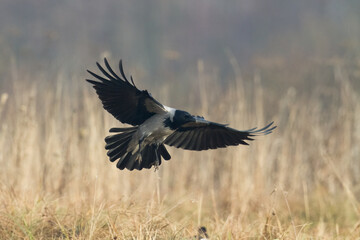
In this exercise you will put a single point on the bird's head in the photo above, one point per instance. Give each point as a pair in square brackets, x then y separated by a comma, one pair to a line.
[182, 117]
[179, 118]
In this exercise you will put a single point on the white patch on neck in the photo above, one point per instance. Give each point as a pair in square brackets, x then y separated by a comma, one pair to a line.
[171, 111]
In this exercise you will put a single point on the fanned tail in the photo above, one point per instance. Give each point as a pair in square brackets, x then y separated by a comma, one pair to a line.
[146, 157]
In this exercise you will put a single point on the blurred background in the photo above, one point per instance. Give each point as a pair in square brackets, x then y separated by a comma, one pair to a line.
[245, 63]
[170, 37]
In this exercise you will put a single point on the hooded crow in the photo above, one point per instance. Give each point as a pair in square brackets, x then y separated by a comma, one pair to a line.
[154, 124]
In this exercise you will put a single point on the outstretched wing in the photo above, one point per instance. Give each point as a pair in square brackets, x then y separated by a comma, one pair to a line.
[121, 98]
[203, 135]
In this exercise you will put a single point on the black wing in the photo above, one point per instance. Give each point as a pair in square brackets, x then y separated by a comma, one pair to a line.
[203, 135]
[122, 99]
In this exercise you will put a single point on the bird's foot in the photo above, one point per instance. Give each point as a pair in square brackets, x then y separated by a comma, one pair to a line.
[156, 166]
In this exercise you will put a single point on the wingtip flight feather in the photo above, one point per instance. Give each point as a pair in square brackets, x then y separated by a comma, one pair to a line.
[122, 71]
[263, 131]
[110, 76]
[111, 70]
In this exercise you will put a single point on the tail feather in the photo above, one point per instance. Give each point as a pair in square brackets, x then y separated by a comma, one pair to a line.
[117, 152]
[133, 162]
[147, 157]
[137, 165]
[118, 144]
[163, 152]
[122, 129]
[121, 164]
[114, 140]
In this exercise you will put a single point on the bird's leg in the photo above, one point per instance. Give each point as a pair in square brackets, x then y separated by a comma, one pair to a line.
[138, 152]
[156, 163]
[140, 141]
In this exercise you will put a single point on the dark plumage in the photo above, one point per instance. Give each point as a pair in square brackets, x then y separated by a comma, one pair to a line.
[154, 124]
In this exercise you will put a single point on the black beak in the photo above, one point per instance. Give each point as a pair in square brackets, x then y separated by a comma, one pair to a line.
[199, 119]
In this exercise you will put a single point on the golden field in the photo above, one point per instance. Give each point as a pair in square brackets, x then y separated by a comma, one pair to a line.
[300, 182]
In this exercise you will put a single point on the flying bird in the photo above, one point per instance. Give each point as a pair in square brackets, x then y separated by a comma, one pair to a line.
[155, 125]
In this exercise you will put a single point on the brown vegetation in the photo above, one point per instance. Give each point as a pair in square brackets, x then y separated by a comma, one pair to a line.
[300, 181]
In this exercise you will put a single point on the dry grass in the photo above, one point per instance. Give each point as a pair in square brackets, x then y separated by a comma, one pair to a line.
[301, 182]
